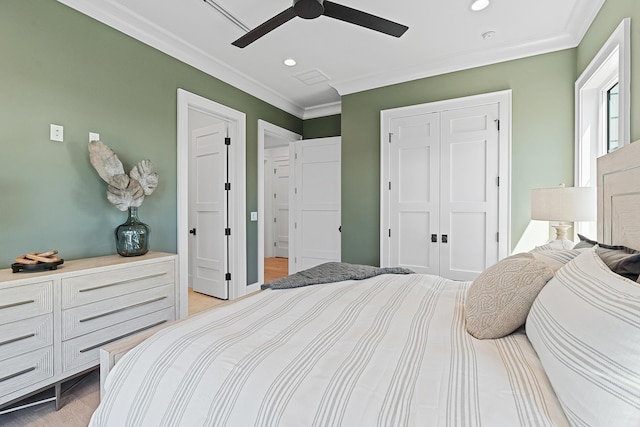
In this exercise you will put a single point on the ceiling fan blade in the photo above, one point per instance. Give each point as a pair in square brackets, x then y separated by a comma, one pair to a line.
[265, 27]
[364, 19]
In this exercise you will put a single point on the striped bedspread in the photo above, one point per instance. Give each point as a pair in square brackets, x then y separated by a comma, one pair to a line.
[386, 351]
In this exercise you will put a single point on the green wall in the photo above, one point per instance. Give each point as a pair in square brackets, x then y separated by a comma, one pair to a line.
[322, 127]
[608, 19]
[60, 66]
[542, 138]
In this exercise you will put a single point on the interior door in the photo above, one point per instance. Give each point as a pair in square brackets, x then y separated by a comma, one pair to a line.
[316, 203]
[209, 210]
[414, 190]
[469, 191]
[281, 205]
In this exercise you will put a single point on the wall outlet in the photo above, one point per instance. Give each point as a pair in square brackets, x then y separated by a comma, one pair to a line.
[93, 136]
[56, 133]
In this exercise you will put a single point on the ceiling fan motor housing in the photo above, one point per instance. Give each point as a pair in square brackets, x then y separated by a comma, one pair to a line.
[308, 9]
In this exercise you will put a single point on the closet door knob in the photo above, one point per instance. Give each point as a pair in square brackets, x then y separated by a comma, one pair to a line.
[444, 238]
[192, 231]
[434, 238]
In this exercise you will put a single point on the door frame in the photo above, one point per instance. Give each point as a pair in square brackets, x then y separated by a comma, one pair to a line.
[265, 129]
[236, 122]
[503, 98]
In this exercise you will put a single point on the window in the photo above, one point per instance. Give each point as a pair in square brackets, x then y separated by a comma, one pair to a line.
[602, 110]
[613, 118]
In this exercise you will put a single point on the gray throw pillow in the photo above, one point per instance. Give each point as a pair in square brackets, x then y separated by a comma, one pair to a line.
[498, 301]
[621, 260]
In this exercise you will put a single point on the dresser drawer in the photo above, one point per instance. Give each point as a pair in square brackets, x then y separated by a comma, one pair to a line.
[84, 351]
[23, 302]
[91, 317]
[83, 289]
[25, 335]
[24, 370]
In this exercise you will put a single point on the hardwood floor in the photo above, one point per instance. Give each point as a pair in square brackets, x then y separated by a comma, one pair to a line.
[83, 393]
[275, 268]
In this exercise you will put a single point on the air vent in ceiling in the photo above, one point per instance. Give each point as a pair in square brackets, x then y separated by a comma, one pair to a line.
[312, 77]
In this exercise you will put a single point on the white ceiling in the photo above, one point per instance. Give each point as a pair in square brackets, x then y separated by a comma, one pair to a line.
[443, 36]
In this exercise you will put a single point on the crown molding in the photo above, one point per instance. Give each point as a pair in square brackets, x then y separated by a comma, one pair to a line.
[443, 65]
[323, 110]
[138, 27]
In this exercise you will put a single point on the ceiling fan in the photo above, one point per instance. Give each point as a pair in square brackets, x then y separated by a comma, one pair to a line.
[310, 9]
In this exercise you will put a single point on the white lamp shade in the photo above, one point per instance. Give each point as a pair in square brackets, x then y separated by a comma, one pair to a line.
[563, 204]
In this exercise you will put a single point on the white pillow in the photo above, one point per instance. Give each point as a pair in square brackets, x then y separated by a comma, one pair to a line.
[585, 327]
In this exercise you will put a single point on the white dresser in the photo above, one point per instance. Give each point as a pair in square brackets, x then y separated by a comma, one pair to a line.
[52, 324]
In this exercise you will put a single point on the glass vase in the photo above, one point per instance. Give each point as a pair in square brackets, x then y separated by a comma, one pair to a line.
[132, 237]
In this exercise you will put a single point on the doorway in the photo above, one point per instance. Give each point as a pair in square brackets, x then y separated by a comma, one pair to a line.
[190, 104]
[273, 147]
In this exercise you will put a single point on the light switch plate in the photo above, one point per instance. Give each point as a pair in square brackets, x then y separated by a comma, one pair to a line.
[93, 136]
[56, 133]
[254, 216]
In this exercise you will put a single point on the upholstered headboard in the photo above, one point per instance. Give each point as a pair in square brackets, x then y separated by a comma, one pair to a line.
[619, 197]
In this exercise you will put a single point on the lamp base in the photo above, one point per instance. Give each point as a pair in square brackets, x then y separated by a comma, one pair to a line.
[561, 230]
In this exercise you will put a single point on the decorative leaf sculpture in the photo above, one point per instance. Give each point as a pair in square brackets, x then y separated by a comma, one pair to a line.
[123, 199]
[105, 161]
[124, 191]
[143, 172]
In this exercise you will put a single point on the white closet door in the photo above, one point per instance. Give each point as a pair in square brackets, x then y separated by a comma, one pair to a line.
[469, 191]
[209, 201]
[281, 205]
[316, 203]
[414, 192]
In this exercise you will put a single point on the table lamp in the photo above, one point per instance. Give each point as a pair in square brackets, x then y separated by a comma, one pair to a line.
[563, 204]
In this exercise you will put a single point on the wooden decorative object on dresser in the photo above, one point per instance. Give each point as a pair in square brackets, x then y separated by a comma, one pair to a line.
[52, 324]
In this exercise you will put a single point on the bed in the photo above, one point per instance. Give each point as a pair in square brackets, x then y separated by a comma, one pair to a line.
[396, 349]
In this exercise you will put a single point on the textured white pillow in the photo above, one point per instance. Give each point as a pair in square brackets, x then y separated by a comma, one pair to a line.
[498, 301]
[556, 259]
[585, 327]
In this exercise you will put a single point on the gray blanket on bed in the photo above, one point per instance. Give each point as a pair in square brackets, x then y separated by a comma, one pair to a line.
[332, 272]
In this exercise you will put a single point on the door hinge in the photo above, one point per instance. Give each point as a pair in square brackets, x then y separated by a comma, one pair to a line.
[389, 185]
[497, 121]
[498, 181]
[275, 171]
[274, 244]
[295, 225]
[389, 232]
[274, 219]
[295, 156]
[498, 237]
[227, 141]
[390, 137]
[274, 195]
[227, 232]
[227, 276]
[295, 190]
[227, 186]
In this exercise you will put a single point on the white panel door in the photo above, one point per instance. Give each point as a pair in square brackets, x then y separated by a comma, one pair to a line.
[281, 205]
[316, 203]
[469, 191]
[209, 210]
[414, 192]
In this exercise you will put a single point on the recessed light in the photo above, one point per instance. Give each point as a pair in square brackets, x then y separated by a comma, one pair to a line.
[479, 5]
[289, 62]
[488, 35]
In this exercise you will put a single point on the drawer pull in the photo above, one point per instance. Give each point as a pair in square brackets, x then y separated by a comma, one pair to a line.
[17, 374]
[93, 347]
[108, 313]
[16, 304]
[24, 337]
[137, 279]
